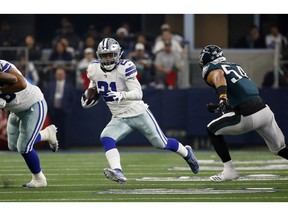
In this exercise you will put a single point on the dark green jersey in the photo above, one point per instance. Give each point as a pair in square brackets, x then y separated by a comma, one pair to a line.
[240, 88]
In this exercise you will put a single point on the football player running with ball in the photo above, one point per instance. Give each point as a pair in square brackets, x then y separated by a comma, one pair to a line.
[247, 111]
[116, 82]
[28, 110]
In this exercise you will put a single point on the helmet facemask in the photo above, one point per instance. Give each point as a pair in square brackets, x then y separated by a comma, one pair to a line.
[108, 60]
[109, 53]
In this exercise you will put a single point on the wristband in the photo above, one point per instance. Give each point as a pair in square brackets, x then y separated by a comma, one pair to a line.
[222, 91]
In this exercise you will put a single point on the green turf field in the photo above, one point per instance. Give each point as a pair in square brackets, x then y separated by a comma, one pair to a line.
[153, 176]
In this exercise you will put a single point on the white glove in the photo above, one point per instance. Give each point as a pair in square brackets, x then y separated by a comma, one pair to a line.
[117, 96]
[2, 103]
[85, 104]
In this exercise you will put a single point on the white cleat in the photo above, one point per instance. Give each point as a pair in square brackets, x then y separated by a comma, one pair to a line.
[36, 183]
[115, 175]
[224, 176]
[52, 138]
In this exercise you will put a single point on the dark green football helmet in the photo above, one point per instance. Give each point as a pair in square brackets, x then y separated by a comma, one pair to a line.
[209, 54]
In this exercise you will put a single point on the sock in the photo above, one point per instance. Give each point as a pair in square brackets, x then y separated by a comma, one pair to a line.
[228, 166]
[172, 145]
[38, 176]
[108, 143]
[220, 146]
[32, 161]
[283, 153]
[188, 155]
[175, 146]
[113, 158]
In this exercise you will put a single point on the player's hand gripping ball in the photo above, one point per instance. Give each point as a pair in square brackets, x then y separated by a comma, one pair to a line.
[92, 94]
[90, 97]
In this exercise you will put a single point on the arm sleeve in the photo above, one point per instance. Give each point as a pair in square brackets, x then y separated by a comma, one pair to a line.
[134, 89]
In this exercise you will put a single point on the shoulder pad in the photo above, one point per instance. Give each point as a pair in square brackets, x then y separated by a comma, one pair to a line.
[128, 67]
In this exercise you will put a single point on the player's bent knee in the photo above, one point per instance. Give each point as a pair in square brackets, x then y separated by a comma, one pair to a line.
[22, 151]
[12, 148]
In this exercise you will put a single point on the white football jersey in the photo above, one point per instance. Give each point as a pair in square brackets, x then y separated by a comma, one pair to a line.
[21, 100]
[122, 78]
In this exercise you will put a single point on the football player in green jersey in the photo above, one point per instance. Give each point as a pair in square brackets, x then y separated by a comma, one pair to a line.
[247, 111]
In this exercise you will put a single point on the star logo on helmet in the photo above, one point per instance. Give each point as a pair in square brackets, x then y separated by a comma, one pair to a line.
[114, 47]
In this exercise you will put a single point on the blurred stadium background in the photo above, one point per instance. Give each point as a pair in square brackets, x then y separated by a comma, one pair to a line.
[181, 112]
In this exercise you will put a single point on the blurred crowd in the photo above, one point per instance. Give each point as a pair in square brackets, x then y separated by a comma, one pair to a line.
[158, 59]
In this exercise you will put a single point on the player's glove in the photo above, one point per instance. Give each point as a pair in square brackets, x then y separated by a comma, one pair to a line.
[223, 104]
[117, 96]
[86, 103]
[213, 108]
[2, 103]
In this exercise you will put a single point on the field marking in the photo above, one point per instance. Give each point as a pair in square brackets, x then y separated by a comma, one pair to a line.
[214, 162]
[254, 177]
[248, 162]
[208, 168]
[188, 191]
[136, 199]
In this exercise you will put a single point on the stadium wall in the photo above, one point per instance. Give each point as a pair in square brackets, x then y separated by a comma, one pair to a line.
[180, 113]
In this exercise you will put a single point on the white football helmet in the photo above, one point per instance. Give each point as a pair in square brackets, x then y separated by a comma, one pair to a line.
[109, 53]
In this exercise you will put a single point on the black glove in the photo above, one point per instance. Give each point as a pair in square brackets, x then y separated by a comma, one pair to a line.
[212, 108]
[223, 104]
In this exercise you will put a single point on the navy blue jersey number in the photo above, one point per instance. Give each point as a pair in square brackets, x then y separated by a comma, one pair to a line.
[105, 88]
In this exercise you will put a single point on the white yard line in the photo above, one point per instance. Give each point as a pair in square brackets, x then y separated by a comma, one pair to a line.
[230, 198]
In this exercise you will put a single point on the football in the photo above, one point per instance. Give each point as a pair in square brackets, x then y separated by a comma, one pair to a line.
[91, 94]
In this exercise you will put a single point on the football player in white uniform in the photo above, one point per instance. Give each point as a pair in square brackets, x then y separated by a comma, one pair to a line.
[116, 82]
[28, 110]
